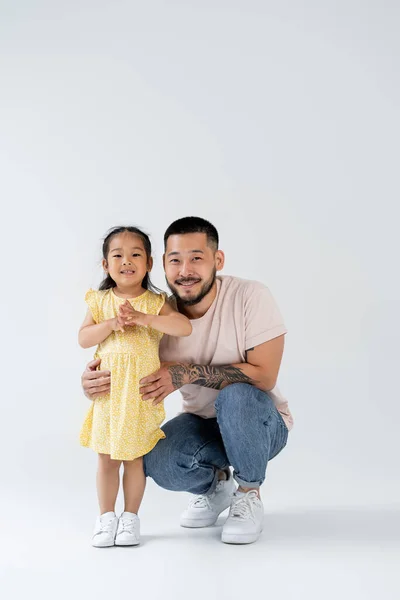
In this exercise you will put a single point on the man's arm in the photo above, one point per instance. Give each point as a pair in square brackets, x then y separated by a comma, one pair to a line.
[260, 369]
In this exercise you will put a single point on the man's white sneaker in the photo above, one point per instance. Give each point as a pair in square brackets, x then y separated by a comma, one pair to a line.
[105, 530]
[128, 533]
[204, 511]
[245, 521]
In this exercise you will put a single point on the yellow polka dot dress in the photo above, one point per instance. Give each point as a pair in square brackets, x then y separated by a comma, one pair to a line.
[120, 423]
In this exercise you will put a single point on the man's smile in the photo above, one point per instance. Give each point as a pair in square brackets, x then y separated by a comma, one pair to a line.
[187, 283]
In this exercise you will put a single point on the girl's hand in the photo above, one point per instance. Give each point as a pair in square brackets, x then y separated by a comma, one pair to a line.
[129, 316]
[117, 324]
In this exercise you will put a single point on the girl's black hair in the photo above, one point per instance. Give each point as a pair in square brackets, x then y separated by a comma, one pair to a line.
[108, 282]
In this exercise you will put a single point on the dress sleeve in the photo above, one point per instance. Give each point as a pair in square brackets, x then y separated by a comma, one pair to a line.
[161, 301]
[92, 300]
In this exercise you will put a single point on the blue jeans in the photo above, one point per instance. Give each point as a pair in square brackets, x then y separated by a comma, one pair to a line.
[247, 432]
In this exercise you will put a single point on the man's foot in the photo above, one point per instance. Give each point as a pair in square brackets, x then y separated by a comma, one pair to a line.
[105, 530]
[204, 511]
[245, 521]
[128, 533]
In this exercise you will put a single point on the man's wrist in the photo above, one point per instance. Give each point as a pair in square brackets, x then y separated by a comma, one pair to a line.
[180, 374]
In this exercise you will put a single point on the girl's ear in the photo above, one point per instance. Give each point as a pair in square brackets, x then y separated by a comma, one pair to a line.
[104, 265]
[150, 264]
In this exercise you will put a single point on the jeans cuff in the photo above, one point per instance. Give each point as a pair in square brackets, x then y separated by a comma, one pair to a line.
[247, 484]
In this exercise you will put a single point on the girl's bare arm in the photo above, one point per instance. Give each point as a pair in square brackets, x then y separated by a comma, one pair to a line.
[168, 321]
[92, 334]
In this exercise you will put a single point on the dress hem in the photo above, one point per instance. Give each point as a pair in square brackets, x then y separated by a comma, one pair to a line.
[132, 457]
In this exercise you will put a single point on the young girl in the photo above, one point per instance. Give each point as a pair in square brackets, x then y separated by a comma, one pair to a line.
[126, 319]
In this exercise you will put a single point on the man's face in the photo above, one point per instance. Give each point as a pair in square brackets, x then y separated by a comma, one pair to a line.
[190, 266]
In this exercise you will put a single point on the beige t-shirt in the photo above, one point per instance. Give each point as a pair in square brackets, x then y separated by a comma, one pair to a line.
[242, 316]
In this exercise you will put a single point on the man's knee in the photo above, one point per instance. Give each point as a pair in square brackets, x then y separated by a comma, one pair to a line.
[241, 400]
[236, 393]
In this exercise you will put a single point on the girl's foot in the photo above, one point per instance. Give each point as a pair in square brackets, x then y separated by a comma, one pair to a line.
[105, 530]
[128, 533]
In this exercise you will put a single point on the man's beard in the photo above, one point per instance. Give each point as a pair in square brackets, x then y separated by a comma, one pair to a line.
[205, 289]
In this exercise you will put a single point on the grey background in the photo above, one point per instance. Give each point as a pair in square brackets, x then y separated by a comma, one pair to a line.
[279, 122]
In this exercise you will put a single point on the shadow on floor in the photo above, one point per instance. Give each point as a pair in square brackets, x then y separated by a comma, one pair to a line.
[336, 524]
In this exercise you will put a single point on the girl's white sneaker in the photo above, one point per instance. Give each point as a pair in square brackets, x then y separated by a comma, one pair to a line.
[128, 533]
[105, 530]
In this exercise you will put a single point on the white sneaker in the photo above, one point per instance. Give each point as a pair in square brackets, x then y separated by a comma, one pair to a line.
[104, 531]
[128, 533]
[203, 511]
[245, 521]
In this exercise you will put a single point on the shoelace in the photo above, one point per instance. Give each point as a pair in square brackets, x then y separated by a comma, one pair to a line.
[204, 501]
[243, 508]
[200, 502]
[125, 525]
[105, 527]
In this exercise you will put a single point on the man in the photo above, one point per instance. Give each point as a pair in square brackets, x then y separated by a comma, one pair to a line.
[233, 414]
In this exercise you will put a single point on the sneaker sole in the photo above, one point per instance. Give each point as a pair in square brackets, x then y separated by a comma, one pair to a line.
[122, 544]
[234, 538]
[103, 545]
[198, 523]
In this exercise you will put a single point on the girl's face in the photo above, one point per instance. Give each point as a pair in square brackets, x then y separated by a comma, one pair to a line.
[127, 262]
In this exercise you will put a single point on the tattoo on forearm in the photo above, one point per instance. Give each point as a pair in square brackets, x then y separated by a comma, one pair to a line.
[206, 375]
[179, 373]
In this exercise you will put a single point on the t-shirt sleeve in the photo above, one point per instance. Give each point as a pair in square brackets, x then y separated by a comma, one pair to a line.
[263, 320]
[92, 300]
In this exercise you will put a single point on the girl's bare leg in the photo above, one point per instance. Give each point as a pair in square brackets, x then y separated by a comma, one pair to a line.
[107, 482]
[134, 483]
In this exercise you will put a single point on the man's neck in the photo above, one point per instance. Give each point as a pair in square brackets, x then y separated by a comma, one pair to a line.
[199, 310]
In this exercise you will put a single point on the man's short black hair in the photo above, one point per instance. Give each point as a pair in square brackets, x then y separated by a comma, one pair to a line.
[193, 225]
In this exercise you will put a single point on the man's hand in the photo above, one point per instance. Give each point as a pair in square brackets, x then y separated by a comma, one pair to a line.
[170, 377]
[95, 383]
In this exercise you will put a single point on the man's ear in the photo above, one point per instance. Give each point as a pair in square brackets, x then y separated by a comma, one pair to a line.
[163, 261]
[219, 260]
[104, 265]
